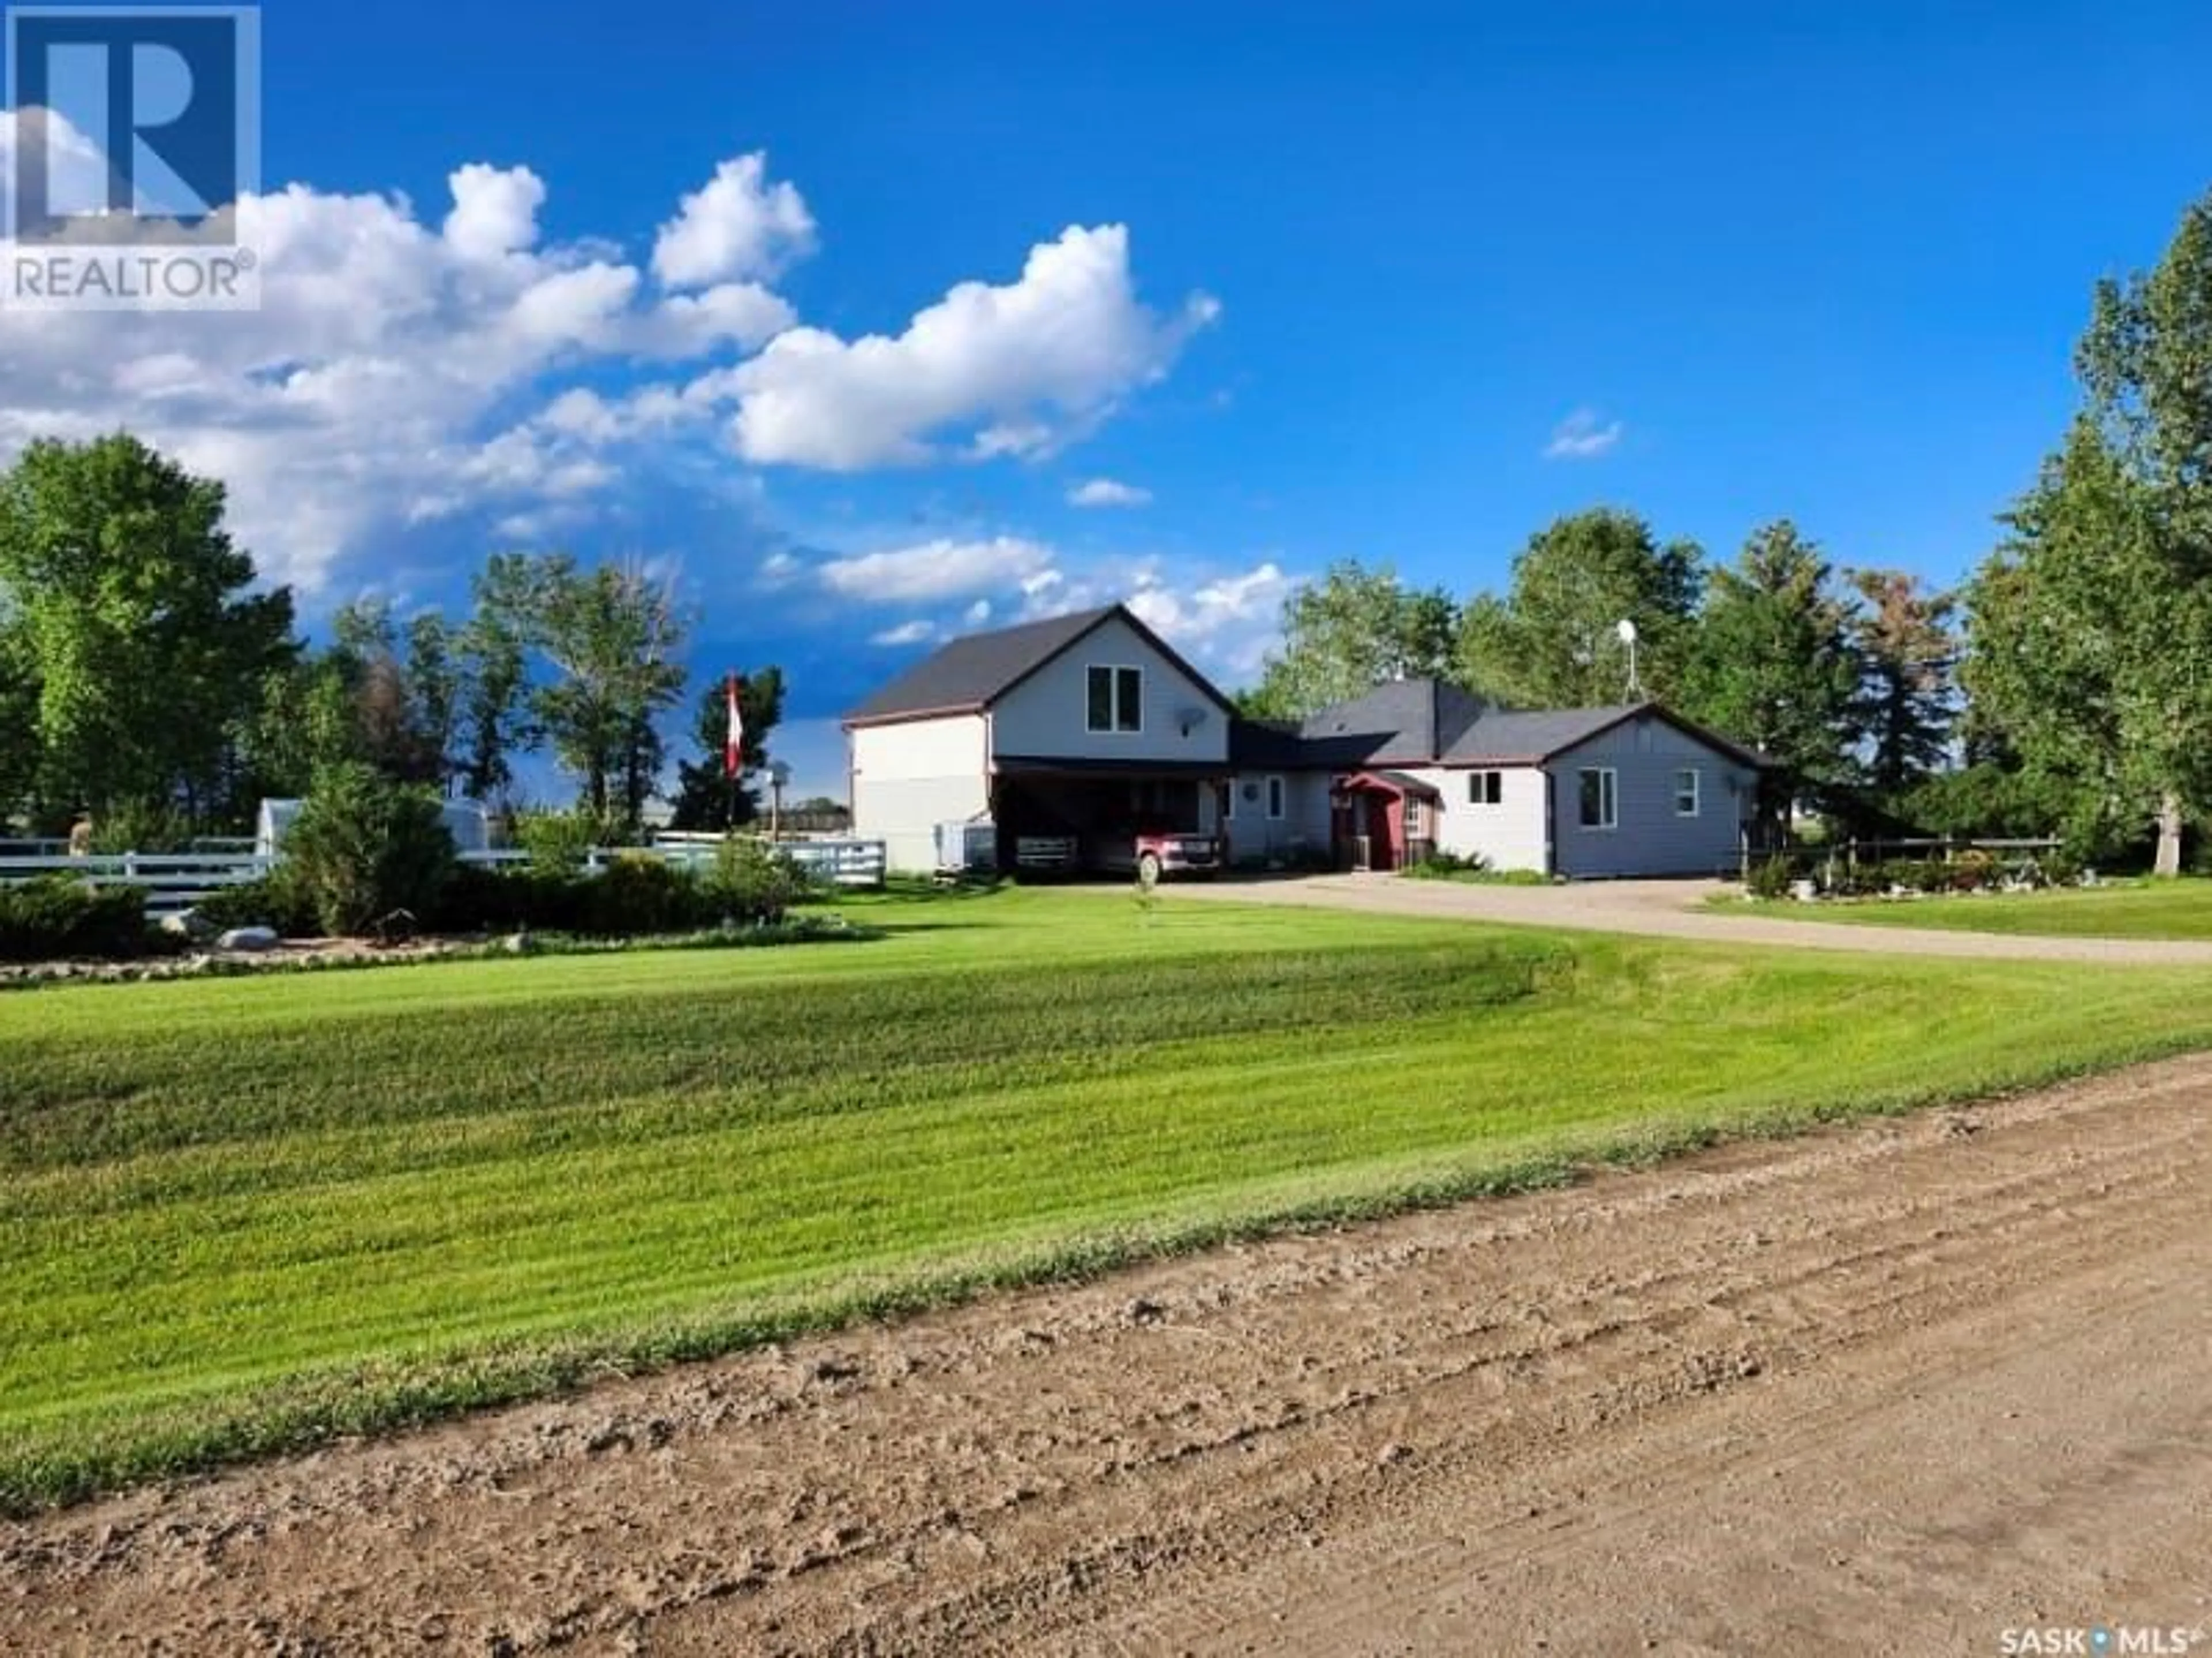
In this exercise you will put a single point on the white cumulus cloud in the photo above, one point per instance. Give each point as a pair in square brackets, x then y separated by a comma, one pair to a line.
[1583, 436]
[407, 367]
[907, 632]
[1106, 492]
[936, 570]
[495, 211]
[1016, 368]
[737, 225]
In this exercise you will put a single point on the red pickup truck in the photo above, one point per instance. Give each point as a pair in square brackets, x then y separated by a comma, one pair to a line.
[1153, 854]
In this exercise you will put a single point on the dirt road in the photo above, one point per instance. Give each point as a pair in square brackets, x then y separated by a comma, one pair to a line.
[1895, 1388]
[1673, 909]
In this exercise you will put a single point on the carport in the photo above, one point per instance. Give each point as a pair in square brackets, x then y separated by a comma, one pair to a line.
[1058, 813]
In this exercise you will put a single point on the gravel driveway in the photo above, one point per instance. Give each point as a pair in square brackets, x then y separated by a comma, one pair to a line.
[1670, 909]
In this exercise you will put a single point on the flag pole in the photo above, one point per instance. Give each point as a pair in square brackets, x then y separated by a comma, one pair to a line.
[734, 762]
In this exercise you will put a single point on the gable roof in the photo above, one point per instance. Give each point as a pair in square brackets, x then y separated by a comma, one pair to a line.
[968, 674]
[1412, 720]
[1429, 722]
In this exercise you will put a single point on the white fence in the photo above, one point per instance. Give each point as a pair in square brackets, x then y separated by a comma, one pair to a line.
[173, 880]
[177, 880]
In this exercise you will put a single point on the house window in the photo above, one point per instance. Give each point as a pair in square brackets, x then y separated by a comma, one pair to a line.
[1685, 792]
[1117, 699]
[1601, 797]
[1275, 797]
[1485, 788]
[1415, 827]
[1228, 803]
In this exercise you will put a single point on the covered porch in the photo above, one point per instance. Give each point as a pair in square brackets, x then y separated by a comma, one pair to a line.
[1383, 820]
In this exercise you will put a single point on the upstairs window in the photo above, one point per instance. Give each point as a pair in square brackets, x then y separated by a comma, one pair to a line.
[1117, 699]
[1485, 788]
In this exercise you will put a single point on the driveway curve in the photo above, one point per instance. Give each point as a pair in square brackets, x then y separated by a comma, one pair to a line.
[1674, 909]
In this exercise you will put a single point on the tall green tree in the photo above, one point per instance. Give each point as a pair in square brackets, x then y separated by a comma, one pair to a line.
[1351, 631]
[1771, 663]
[1553, 641]
[136, 617]
[2090, 653]
[611, 637]
[1907, 699]
[492, 720]
[2091, 626]
[705, 798]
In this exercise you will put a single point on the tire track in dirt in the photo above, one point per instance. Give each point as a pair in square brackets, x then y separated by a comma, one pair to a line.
[1951, 1370]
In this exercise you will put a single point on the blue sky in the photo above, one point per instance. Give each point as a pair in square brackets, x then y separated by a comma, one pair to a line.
[1297, 282]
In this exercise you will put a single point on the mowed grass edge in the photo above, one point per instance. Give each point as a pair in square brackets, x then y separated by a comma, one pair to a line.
[2138, 908]
[252, 1217]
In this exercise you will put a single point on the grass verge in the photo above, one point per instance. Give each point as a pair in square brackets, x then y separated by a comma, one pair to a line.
[249, 1216]
[2120, 909]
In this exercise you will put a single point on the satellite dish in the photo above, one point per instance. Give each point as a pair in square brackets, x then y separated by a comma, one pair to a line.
[1190, 720]
[1627, 631]
[778, 773]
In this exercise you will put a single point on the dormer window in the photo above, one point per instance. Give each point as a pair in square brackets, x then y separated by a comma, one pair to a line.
[1117, 699]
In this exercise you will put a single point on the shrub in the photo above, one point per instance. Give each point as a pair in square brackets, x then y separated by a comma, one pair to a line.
[2060, 868]
[362, 848]
[640, 892]
[1770, 878]
[56, 915]
[269, 901]
[752, 882]
[136, 826]
[1971, 871]
[1440, 866]
[558, 841]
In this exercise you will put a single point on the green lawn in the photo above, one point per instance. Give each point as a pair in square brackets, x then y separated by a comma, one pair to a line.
[2121, 909]
[252, 1213]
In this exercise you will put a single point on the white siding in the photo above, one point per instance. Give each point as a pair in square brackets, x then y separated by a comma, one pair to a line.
[1508, 836]
[1048, 712]
[1652, 838]
[909, 778]
[1303, 825]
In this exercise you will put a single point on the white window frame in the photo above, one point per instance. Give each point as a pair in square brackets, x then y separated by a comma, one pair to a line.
[1415, 829]
[1278, 800]
[1695, 794]
[1609, 798]
[1114, 728]
[1478, 787]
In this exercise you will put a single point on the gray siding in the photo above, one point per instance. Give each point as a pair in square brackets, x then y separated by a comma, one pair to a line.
[1303, 825]
[1048, 712]
[1652, 838]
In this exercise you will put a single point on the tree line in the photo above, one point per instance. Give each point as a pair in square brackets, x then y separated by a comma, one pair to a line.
[144, 679]
[2066, 687]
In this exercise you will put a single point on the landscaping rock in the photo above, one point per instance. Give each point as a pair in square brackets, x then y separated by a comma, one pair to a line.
[189, 924]
[519, 944]
[249, 938]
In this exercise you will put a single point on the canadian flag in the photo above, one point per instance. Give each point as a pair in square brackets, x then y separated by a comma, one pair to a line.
[733, 754]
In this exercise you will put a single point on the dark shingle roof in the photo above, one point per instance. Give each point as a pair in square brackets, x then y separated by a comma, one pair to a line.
[1420, 721]
[1408, 720]
[1536, 735]
[969, 672]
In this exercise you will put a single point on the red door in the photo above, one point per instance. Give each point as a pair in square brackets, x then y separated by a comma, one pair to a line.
[1383, 836]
